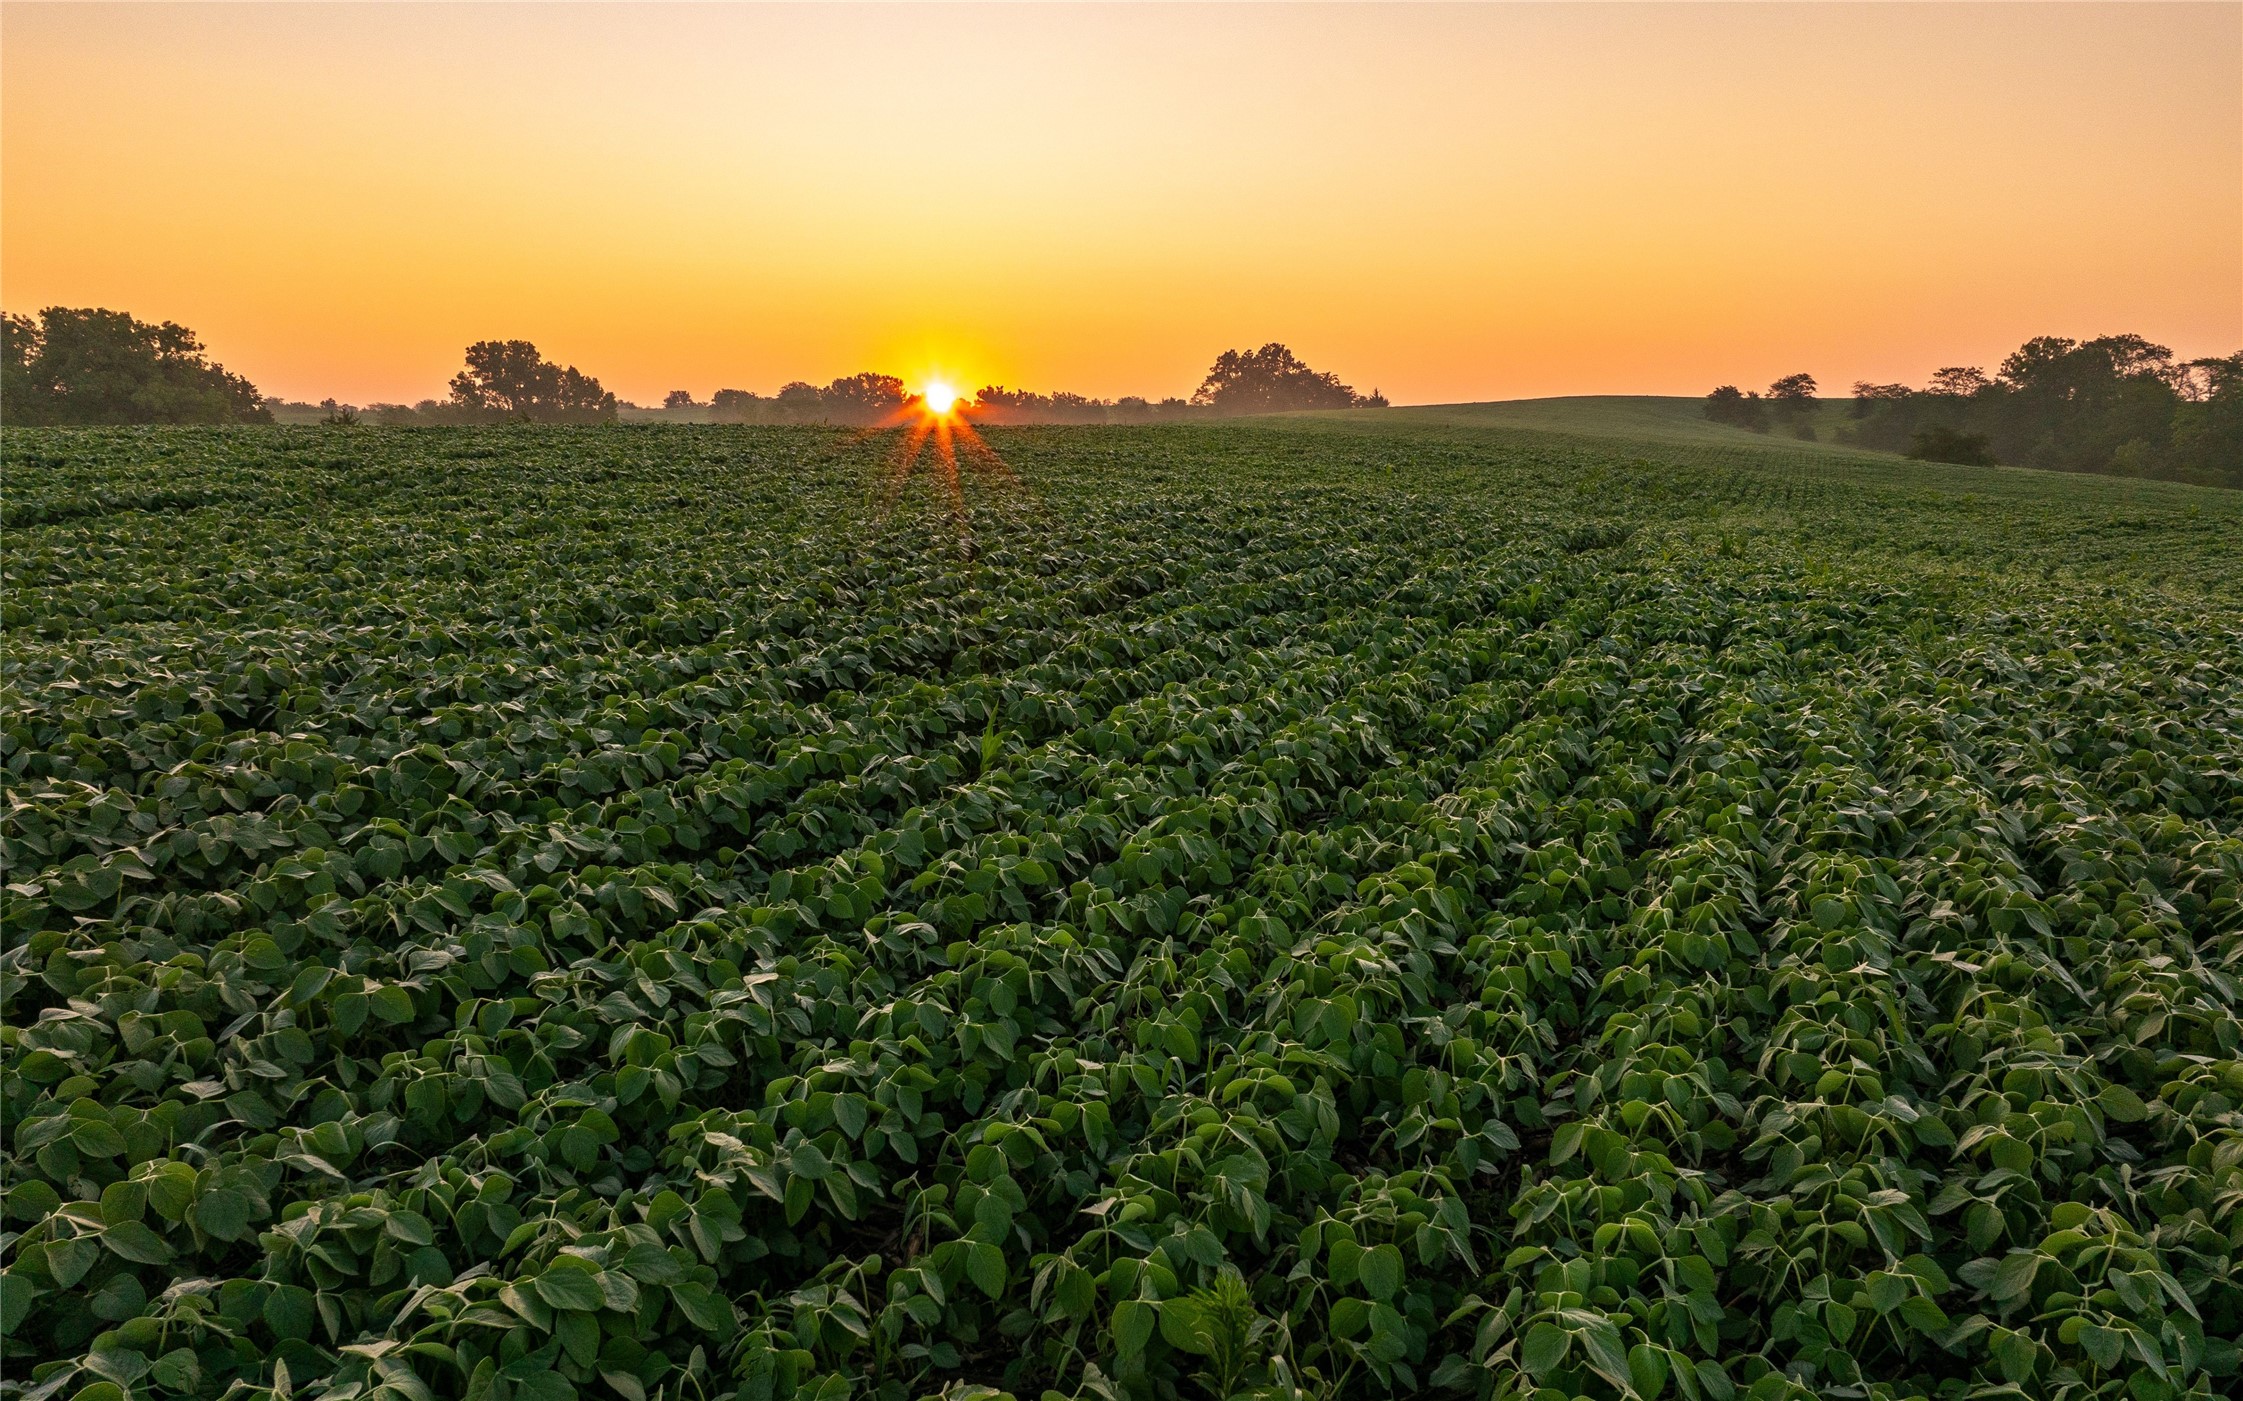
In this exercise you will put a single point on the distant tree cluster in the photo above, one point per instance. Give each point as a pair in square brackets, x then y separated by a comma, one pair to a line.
[1790, 403]
[1274, 380]
[861, 399]
[993, 403]
[1268, 380]
[90, 365]
[501, 382]
[2115, 404]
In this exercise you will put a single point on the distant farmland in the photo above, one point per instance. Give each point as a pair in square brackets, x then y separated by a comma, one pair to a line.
[1554, 900]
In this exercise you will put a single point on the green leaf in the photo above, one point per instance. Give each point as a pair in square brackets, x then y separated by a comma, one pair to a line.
[2017, 1355]
[2105, 1345]
[624, 1384]
[1713, 1380]
[393, 1004]
[1924, 1315]
[97, 1139]
[1608, 1355]
[1184, 1326]
[566, 1288]
[707, 1310]
[1840, 1320]
[136, 1243]
[1886, 1291]
[177, 1370]
[1350, 1316]
[288, 1311]
[808, 1160]
[16, 1294]
[222, 1213]
[1647, 1370]
[985, 1266]
[1076, 1292]
[1544, 1349]
[1381, 1271]
[68, 1260]
[2120, 1103]
[2013, 1278]
[1133, 1327]
[2010, 1153]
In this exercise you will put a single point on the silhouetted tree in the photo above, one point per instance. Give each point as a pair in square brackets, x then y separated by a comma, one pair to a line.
[1959, 381]
[1867, 396]
[735, 405]
[862, 398]
[1270, 380]
[1731, 405]
[510, 379]
[678, 399]
[93, 365]
[1793, 399]
[1792, 393]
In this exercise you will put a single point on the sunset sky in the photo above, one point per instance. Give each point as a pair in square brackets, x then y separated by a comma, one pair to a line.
[1446, 202]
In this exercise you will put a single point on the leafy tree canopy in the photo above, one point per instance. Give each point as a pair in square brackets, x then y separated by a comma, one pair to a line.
[1272, 380]
[2118, 404]
[511, 379]
[88, 365]
[1731, 405]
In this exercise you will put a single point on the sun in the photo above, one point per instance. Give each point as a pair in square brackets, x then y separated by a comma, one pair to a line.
[939, 397]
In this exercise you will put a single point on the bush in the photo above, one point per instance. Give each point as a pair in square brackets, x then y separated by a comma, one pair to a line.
[1940, 443]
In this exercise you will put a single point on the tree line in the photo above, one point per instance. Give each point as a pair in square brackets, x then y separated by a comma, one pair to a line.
[2115, 404]
[1269, 380]
[95, 366]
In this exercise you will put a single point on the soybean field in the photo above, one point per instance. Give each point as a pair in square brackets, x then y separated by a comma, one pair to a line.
[1366, 906]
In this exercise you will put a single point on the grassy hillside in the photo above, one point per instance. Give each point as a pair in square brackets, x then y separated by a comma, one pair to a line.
[1404, 904]
[1640, 418]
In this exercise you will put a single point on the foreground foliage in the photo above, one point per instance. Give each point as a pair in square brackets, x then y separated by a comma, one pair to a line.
[1277, 910]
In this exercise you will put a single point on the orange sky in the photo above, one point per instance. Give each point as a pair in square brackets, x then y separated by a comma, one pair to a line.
[1448, 202]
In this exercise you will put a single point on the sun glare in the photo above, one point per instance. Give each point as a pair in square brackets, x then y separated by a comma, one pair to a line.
[939, 398]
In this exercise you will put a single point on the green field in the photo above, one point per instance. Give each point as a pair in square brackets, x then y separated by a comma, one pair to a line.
[1639, 419]
[1497, 900]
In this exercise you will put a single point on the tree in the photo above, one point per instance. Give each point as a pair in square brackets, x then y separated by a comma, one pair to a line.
[734, 405]
[1731, 405]
[1867, 396]
[862, 398]
[2208, 428]
[510, 379]
[1270, 380]
[1793, 391]
[92, 365]
[2073, 405]
[678, 399]
[1958, 381]
[798, 399]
